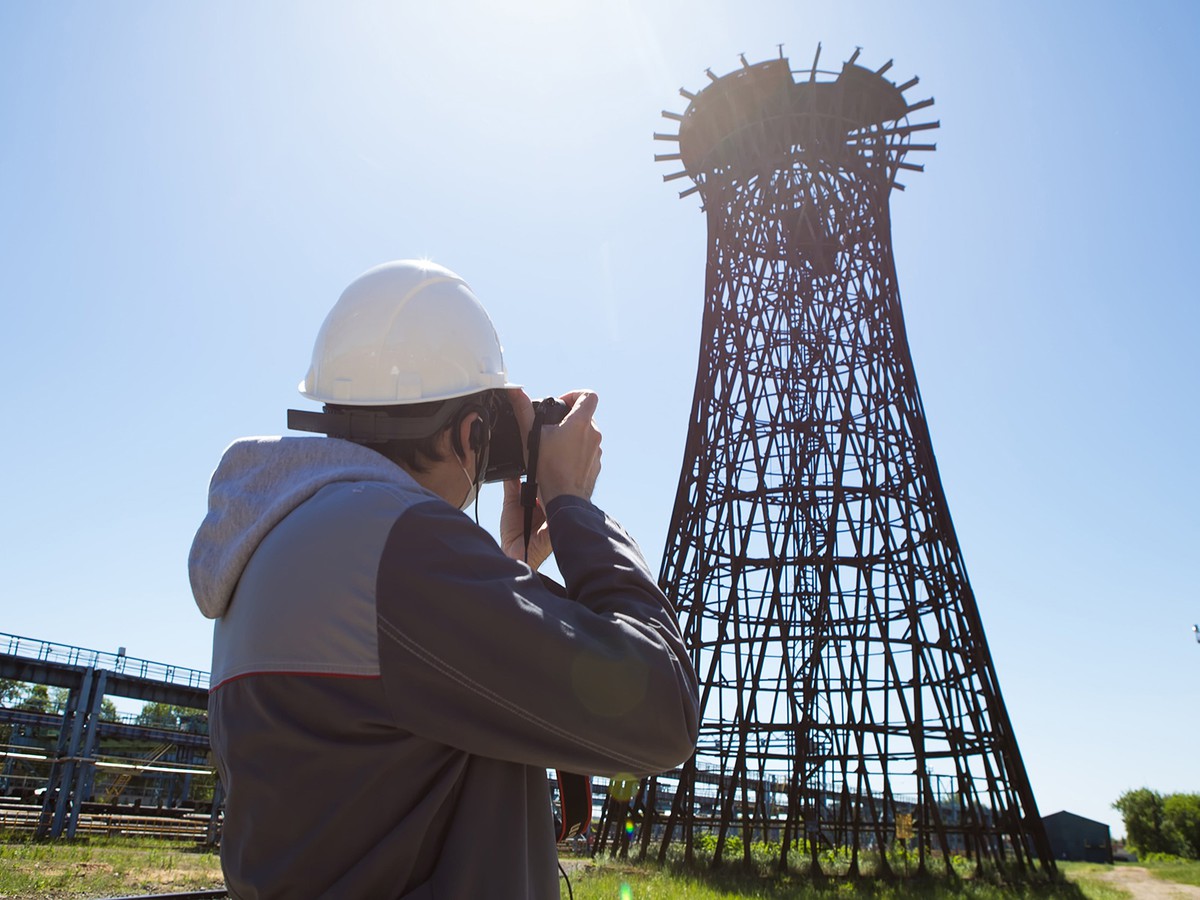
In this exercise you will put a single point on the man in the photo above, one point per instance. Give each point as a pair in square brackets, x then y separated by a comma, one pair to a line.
[389, 686]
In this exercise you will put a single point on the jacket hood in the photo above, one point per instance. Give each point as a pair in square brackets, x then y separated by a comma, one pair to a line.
[257, 483]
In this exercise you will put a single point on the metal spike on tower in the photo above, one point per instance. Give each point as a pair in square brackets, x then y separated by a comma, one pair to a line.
[849, 698]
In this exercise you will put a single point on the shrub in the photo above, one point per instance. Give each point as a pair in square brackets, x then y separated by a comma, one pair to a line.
[1181, 823]
[1155, 824]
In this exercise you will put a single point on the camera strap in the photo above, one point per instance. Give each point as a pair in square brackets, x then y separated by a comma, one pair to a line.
[573, 812]
[573, 816]
[530, 488]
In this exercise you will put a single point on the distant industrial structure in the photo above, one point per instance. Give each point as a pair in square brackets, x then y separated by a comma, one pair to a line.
[77, 766]
[849, 697]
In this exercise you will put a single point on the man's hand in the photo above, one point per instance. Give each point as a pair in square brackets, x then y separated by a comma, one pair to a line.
[568, 463]
[512, 528]
[569, 456]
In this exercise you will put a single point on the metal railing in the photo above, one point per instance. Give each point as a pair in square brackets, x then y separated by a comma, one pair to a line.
[49, 651]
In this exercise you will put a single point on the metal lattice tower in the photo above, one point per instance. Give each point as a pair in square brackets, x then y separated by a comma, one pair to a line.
[847, 689]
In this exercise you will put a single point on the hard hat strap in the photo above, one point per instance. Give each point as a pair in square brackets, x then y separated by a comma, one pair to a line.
[373, 425]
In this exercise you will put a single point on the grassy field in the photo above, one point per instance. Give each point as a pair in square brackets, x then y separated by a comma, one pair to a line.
[617, 881]
[102, 867]
[1090, 879]
[1096, 880]
[1180, 871]
[108, 867]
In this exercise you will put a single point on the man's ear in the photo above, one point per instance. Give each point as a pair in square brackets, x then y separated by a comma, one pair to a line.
[477, 434]
[469, 432]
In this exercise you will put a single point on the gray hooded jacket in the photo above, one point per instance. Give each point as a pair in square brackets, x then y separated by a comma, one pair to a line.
[388, 688]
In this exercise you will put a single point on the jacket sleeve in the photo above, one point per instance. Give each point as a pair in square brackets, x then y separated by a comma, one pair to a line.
[476, 652]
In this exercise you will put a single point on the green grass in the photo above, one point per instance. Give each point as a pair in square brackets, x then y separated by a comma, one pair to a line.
[99, 867]
[1090, 878]
[612, 880]
[105, 867]
[1180, 871]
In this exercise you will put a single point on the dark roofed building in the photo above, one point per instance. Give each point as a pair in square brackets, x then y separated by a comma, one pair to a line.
[1073, 837]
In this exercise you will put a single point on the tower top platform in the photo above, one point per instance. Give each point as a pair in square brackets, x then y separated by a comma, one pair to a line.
[758, 117]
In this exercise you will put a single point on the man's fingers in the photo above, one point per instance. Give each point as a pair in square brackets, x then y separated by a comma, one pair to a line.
[582, 403]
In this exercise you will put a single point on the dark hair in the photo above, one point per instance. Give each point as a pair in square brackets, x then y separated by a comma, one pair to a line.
[419, 453]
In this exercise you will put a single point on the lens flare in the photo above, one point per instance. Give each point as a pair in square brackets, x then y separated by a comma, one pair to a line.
[626, 892]
[622, 787]
[629, 826]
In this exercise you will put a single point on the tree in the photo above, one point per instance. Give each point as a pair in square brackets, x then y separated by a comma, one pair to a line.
[167, 715]
[59, 698]
[1181, 824]
[1158, 824]
[36, 699]
[1142, 811]
[10, 691]
[40, 698]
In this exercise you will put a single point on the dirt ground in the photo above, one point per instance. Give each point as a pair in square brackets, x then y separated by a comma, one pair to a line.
[1144, 886]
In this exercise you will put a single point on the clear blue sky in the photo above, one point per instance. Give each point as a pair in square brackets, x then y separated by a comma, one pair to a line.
[185, 188]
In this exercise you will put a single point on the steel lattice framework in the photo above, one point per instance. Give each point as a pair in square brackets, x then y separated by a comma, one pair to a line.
[847, 688]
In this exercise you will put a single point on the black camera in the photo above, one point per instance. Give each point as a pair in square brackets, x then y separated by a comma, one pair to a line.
[506, 453]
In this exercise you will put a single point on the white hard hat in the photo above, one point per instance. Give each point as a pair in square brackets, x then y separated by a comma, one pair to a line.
[405, 332]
